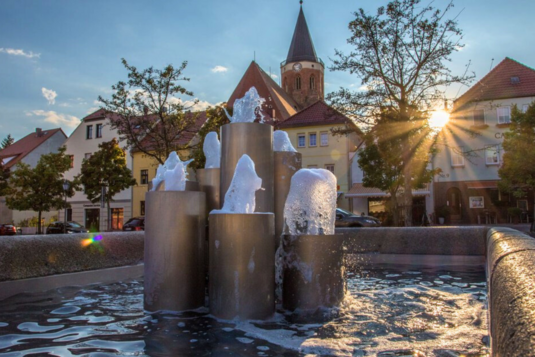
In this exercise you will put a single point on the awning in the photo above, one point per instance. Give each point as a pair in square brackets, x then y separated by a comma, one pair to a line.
[358, 190]
[475, 185]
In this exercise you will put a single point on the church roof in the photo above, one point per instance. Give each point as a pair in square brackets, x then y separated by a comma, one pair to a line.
[268, 89]
[318, 113]
[509, 79]
[301, 48]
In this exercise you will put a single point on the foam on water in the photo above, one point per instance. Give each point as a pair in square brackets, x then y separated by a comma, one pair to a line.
[311, 203]
[247, 108]
[173, 173]
[240, 196]
[281, 141]
[212, 151]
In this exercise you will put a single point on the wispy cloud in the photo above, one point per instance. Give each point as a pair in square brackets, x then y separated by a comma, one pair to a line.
[218, 69]
[16, 52]
[56, 118]
[273, 75]
[49, 95]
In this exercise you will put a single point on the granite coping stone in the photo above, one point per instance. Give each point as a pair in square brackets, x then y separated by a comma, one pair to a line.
[511, 286]
[416, 240]
[23, 257]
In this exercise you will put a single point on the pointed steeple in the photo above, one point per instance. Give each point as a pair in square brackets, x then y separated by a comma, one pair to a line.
[301, 48]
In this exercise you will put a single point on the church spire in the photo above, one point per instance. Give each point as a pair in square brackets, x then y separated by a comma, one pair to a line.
[301, 48]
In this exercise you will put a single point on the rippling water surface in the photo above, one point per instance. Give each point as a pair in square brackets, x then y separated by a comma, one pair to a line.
[386, 313]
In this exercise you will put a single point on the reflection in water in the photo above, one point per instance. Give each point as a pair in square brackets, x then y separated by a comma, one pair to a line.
[386, 313]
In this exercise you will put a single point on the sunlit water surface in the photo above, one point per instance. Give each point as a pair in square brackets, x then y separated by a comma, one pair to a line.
[386, 312]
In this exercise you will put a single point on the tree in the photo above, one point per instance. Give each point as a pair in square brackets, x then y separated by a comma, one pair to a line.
[106, 169]
[7, 141]
[4, 179]
[40, 189]
[517, 172]
[146, 112]
[399, 54]
[215, 118]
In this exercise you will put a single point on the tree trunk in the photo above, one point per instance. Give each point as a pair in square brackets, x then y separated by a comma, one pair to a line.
[109, 214]
[395, 212]
[39, 223]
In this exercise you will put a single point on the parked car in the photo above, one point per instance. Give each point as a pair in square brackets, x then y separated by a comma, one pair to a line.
[69, 227]
[7, 230]
[348, 219]
[135, 224]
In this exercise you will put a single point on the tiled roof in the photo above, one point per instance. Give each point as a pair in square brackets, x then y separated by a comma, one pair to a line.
[19, 149]
[281, 102]
[301, 48]
[99, 114]
[318, 113]
[509, 79]
[187, 135]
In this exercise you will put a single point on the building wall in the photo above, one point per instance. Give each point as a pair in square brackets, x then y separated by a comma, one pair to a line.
[78, 145]
[306, 95]
[337, 152]
[51, 145]
[473, 167]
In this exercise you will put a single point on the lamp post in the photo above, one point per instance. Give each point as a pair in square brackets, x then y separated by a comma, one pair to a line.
[65, 189]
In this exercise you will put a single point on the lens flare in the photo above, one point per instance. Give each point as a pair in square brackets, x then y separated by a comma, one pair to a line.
[91, 240]
[439, 118]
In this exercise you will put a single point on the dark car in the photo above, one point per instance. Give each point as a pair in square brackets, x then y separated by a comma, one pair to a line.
[7, 230]
[69, 227]
[348, 219]
[135, 224]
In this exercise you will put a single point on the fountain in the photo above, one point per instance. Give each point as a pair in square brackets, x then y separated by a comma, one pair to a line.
[258, 170]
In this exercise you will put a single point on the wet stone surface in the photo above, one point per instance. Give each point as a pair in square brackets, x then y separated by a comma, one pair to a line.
[386, 312]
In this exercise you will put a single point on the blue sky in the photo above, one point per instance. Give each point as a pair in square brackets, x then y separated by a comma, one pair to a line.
[57, 57]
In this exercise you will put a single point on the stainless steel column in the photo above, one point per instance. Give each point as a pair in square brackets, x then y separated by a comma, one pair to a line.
[192, 186]
[286, 165]
[313, 271]
[209, 183]
[242, 266]
[174, 250]
[255, 140]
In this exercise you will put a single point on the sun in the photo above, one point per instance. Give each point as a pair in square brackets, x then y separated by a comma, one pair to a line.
[439, 118]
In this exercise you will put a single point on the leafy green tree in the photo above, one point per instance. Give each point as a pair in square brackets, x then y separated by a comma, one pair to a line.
[382, 165]
[400, 55]
[106, 169]
[517, 172]
[4, 179]
[215, 118]
[40, 189]
[148, 113]
[8, 140]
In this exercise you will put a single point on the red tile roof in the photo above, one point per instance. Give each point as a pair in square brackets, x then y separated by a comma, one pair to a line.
[509, 79]
[267, 88]
[21, 148]
[318, 113]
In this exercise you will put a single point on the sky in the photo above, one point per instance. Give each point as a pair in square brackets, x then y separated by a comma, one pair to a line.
[58, 56]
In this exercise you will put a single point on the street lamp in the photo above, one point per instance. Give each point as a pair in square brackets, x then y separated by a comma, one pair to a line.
[65, 189]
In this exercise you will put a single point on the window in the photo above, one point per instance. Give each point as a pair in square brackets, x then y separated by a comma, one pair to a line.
[89, 132]
[312, 139]
[504, 115]
[142, 208]
[144, 177]
[298, 82]
[117, 217]
[479, 117]
[87, 155]
[525, 108]
[330, 167]
[522, 204]
[492, 155]
[301, 140]
[69, 214]
[324, 139]
[99, 131]
[72, 160]
[457, 158]
[312, 82]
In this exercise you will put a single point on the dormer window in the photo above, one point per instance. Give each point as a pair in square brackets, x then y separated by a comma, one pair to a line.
[515, 80]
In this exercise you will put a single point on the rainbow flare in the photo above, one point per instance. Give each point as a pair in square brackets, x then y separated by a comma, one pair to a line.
[89, 241]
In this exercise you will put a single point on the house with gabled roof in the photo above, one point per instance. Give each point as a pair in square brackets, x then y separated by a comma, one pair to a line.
[29, 150]
[472, 151]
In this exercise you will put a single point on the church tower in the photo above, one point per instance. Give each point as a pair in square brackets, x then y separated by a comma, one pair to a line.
[302, 72]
